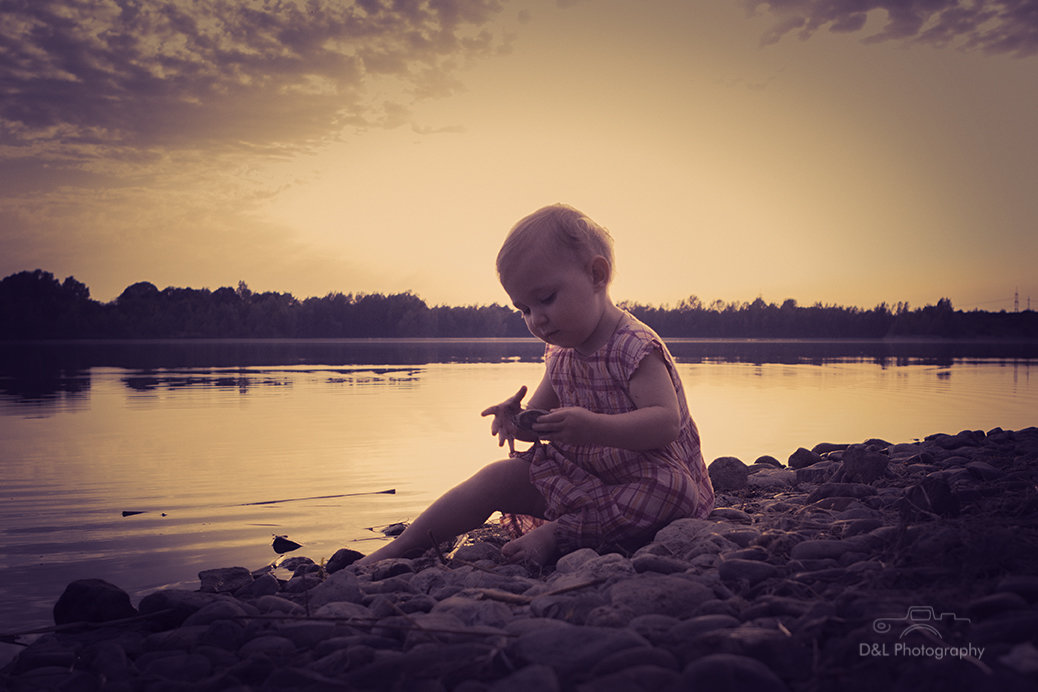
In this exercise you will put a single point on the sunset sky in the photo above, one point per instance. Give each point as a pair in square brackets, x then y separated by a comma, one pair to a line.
[793, 149]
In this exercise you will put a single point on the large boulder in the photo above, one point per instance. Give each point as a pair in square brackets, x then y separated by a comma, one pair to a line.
[728, 473]
[92, 600]
[802, 458]
[861, 465]
[224, 579]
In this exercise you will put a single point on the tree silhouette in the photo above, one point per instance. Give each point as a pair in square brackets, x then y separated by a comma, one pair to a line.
[35, 305]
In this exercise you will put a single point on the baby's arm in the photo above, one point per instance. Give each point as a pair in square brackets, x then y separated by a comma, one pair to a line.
[655, 422]
[544, 396]
[503, 426]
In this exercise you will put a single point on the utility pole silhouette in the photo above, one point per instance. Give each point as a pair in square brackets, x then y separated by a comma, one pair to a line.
[1016, 299]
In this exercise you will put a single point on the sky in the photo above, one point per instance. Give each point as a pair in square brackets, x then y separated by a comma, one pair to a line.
[847, 152]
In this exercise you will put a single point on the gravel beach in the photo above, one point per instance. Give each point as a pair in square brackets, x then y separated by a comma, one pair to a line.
[875, 565]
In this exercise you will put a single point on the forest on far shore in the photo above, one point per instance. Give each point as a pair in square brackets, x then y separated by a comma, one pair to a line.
[36, 305]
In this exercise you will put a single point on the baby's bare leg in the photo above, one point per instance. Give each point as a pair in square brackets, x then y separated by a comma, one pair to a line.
[501, 486]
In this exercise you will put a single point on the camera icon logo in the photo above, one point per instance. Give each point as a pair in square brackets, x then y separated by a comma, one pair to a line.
[916, 619]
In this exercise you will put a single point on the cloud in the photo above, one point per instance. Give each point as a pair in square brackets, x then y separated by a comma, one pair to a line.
[992, 26]
[122, 76]
[446, 129]
[137, 133]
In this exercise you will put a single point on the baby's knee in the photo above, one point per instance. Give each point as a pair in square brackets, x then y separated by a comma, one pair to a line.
[506, 483]
[503, 473]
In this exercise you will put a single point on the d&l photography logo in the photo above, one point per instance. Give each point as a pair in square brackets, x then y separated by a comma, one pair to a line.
[918, 623]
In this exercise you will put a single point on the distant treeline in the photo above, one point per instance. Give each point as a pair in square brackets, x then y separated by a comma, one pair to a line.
[35, 305]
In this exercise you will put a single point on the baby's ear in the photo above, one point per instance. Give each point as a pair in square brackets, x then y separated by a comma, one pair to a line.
[601, 271]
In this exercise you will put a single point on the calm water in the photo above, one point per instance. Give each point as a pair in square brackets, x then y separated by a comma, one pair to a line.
[221, 445]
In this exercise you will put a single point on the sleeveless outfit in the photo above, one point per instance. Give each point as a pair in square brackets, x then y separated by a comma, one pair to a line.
[606, 496]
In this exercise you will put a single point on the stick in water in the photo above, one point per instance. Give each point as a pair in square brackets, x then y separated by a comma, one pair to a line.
[391, 491]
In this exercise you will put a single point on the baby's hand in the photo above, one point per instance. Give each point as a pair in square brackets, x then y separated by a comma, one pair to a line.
[503, 413]
[524, 422]
[571, 425]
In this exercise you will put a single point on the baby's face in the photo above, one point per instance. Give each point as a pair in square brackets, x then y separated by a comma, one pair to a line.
[557, 297]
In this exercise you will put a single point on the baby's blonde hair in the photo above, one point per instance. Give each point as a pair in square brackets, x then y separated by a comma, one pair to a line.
[556, 228]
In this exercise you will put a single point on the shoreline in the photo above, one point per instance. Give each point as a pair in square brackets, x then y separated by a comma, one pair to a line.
[853, 567]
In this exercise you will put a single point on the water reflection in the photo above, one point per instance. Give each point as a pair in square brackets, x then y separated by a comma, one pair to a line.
[41, 392]
[29, 383]
[204, 451]
[244, 380]
[882, 352]
[149, 382]
[58, 373]
[55, 372]
[223, 353]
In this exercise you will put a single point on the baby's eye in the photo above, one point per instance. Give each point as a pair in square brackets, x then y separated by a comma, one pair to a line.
[549, 299]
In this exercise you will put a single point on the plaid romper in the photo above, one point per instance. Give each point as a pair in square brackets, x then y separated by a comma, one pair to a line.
[606, 496]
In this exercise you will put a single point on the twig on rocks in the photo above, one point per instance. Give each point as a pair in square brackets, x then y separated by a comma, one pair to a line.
[503, 596]
[966, 657]
[473, 565]
[374, 622]
[522, 599]
[445, 562]
[414, 624]
[12, 637]
[436, 547]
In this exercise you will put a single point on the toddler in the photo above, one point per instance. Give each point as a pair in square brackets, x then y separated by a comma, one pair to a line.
[619, 455]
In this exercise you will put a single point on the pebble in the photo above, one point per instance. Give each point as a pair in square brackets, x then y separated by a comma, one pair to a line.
[728, 473]
[730, 514]
[750, 571]
[768, 460]
[801, 574]
[802, 458]
[818, 473]
[860, 464]
[855, 490]
[772, 479]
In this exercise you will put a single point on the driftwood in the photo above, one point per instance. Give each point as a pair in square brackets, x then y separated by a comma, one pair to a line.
[391, 491]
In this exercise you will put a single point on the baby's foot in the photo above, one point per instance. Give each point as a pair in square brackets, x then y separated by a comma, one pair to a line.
[537, 546]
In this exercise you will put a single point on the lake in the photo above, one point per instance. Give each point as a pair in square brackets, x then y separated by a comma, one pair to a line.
[213, 447]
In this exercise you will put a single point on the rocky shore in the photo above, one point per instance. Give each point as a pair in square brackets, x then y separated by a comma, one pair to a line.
[851, 567]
